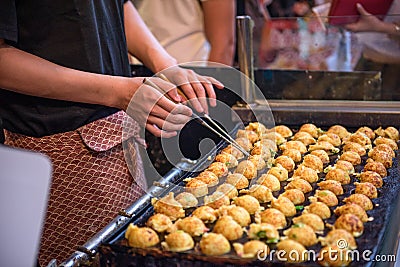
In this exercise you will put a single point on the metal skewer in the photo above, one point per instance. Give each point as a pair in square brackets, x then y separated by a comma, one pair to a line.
[223, 135]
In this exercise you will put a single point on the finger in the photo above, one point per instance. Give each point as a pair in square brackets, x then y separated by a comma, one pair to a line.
[167, 125]
[210, 93]
[189, 91]
[361, 10]
[159, 133]
[215, 82]
[166, 88]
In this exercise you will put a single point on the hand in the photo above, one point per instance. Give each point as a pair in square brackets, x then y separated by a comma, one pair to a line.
[366, 23]
[152, 109]
[194, 86]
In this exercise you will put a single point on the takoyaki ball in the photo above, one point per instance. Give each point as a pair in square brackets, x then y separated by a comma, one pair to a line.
[332, 138]
[218, 168]
[238, 180]
[256, 127]
[302, 233]
[239, 214]
[274, 136]
[268, 143]
[177, 242]
[382, 157]
[262, 193]
[159, 222]
[270, 181]
[228, 189]
[324, 157]
[285, 205]
[229, 159]
[228, 227]
[263, 231]
[306, 173]
[294, 154]
[187, 200]
[312, 220]
[352, 208]
[168, 206]
[247, 168]
[283, 130]
[208, 177]
[262, 151]
[355, 147]
[392, 133]
[325, 196]
[279, 172]
[274, 217]
[258, 161]
[205, 213]
[248, 202]
[345, 165]
[334, 256]
[360, 138]
[387, 141]
[233, 151]
[340, 131]
[301, 184]
[294, 145]
[367, 131]
[141, 237]
[324, 145]
[295, 195]
[213, 244]
[305, 138]
[367, 189]
[361, 200]
[371, 177]
[216, 200]
[351, 223]
[191, 225]
[251, 135]
[196, 187]
[286, 162]
[352, 157]
[251, 249]
[313, 162]
[318, 208]
[339, 175]
[244, 143]
[336, 235]
[331, 185]
[382, 147]
[291, 251]
[310, 128]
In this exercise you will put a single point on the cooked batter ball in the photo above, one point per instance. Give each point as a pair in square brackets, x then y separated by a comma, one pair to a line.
[196, 187]
[269, 181]
[238, 180]
[248, 134]
[263, 151]
[284, 205]
[360, 138]
[206, 214]
[344, 165]
[325, 196]
[286, 162]
[251, 249]
[248, 202]
[279, 172]
[229, 159]
[306, 173]
[141, 237]
[216, 200]
[382, 157]
[177, 242]
[376, 167]
[382, 147]
[352, 208]
[258, 161]
[305, 138]
[333, 186]
[283, 130]
[313, 162]
[387, 141]
[334, 256]
[332, 138]
[312, 220]
[245, 143]
[168, 206]
[256, 127]
[247, 168]
[301, 184]
[262, 193]
[351, 157]
[274, 217]
[318, 208]
[340, 131]
[187, 200]
[322, 155]
[371, 177]
[274, 136]
[270, 144]
[366, 189]
[295, 195]
[233, 151]
[302, 233]
[338, 175]
[361, 200]
[336, 235]
[294, 154]
[291, 251]
[297, 145]
[228, 227]
[208, 177]
[367, 131]
[191, 225]
[324, 145]
[228, 189]
[159, 222]
[310, 128]
[350, 223]
[239, 214]
[213, 244]
[263, 231]
[355, 147]
[218, 168]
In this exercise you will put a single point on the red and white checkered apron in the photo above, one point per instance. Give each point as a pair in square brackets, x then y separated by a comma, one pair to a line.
[91, 181]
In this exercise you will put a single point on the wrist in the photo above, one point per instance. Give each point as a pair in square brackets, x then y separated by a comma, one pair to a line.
[125, 88]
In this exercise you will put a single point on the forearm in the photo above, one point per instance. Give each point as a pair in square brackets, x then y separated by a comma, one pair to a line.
[219, 23]
[28, 74]
[142, 43]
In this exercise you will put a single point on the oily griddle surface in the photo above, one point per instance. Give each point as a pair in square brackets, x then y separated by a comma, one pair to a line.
[116, 252]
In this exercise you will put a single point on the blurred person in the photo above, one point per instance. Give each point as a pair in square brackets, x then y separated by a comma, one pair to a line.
[303, 8]
[381, 47]
[66, 82]
[192, 30]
